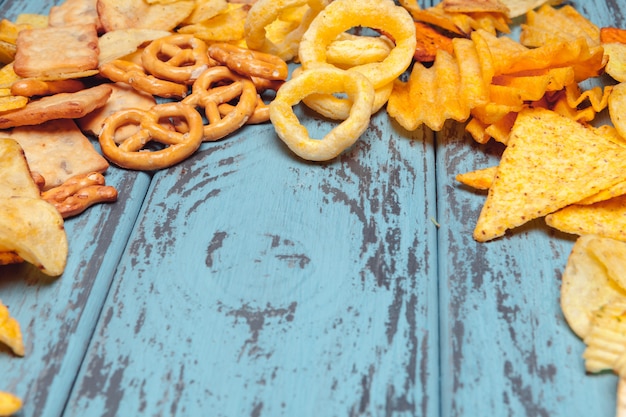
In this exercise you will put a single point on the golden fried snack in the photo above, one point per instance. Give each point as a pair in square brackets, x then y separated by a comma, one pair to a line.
[79, 193]
[247, 62]
[57, 106]
[179, 58]
[264, 12]
[261, 112]
[134, 75]
[322, 81]
[341, 15]
[31, 87]
[131, 153]
[219, 85]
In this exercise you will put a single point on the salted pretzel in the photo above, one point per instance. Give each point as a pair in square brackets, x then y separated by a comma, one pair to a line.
[261, 112]
[79, 193]
[219, 85]
[153, 127]
[248, 62]
[179, 58]
[134, 75]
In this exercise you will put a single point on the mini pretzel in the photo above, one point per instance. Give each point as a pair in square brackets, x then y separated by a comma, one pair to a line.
[178, 144]
[261, 112]
[219, 85]
[79, 193]
[32, 87]
[180, 58]
[248, 62]
[134, 75]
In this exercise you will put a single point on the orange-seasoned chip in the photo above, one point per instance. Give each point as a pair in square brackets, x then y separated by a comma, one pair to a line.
[550, 162]
[10, 333]
[612, 34]
[480, 179]
[429, 41]
[606, 218]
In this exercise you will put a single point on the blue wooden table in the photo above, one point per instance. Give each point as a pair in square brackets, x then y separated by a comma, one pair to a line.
[247, 282]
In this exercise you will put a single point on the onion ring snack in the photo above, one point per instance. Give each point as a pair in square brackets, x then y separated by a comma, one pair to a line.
[322, 81]
[131, 153]
[179, 58]
[342, 15]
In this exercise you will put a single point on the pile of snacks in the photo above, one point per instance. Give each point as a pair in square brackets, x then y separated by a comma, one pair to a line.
[152, 80]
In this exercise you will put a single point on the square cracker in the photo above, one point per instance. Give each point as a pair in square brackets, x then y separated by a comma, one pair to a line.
[56, 51]
[58, 150]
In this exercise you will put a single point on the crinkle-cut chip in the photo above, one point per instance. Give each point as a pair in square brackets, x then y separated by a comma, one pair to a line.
[9, 404]
[564, 23]
[606, 340]
[431, 96]
[57, 106]
[15, 172]
[52, 51]
[605, 218]
[120, 43]
[227, 26]
[205, 10]
[58, 150]
[549, 163]
[500, 130]
[617, 105]
[9, 103]
[33, 228]
[616, 64]
[612, 34]
[71, 12]
[586, 287]
[479, 179]
[126, 14]
[10, 333]
[34, 20]
[473, 90]
[122, 97]
[473, 6]
[429, 41]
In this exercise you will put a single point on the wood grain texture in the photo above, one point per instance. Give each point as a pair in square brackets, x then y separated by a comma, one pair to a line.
[246, 281]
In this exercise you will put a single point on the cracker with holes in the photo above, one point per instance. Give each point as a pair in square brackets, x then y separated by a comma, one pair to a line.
[56, 52]
[58, 151]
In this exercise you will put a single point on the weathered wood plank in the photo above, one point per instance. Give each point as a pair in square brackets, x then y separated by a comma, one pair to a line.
[259, 284]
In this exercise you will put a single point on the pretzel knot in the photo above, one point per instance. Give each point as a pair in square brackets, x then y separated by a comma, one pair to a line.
[134, 75]
[180, 58]
[79, 193]
[160, 127]
[218, 85]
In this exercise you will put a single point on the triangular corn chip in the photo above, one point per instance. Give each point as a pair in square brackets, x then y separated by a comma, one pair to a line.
[9, 404]
[550, 162]
[10, 333]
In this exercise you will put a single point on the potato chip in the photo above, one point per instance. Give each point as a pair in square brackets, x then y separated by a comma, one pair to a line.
[616, 65]
[33, 229]
[119, 43]
[606, 218]
[585, 285]
[14, 171]
[471, 6]
[550, 162]
[9, 404]
[606, 339]
[8, 76]
[10, 333]
[126, 14]
[521, 7]
[205, 10]
[9, 103]
[227, 26]
[549, 24]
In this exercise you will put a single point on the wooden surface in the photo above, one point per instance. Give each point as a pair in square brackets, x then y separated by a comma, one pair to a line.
[246, 282]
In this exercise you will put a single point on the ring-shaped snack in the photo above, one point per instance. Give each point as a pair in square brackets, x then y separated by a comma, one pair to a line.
[179, 58]
[337, 108]
[264, 12]
[131, 153]
[341, 16]
[322, 81]
[250, 63]
[219, 85]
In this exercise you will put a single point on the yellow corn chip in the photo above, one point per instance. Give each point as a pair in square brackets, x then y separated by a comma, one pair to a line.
[9, 404]
[550, 162]
[479, 179]
[606, 218]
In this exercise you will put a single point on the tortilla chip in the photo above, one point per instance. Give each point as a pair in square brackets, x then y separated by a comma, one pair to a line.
[480, 179]
[550, 162]
[10, 333]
